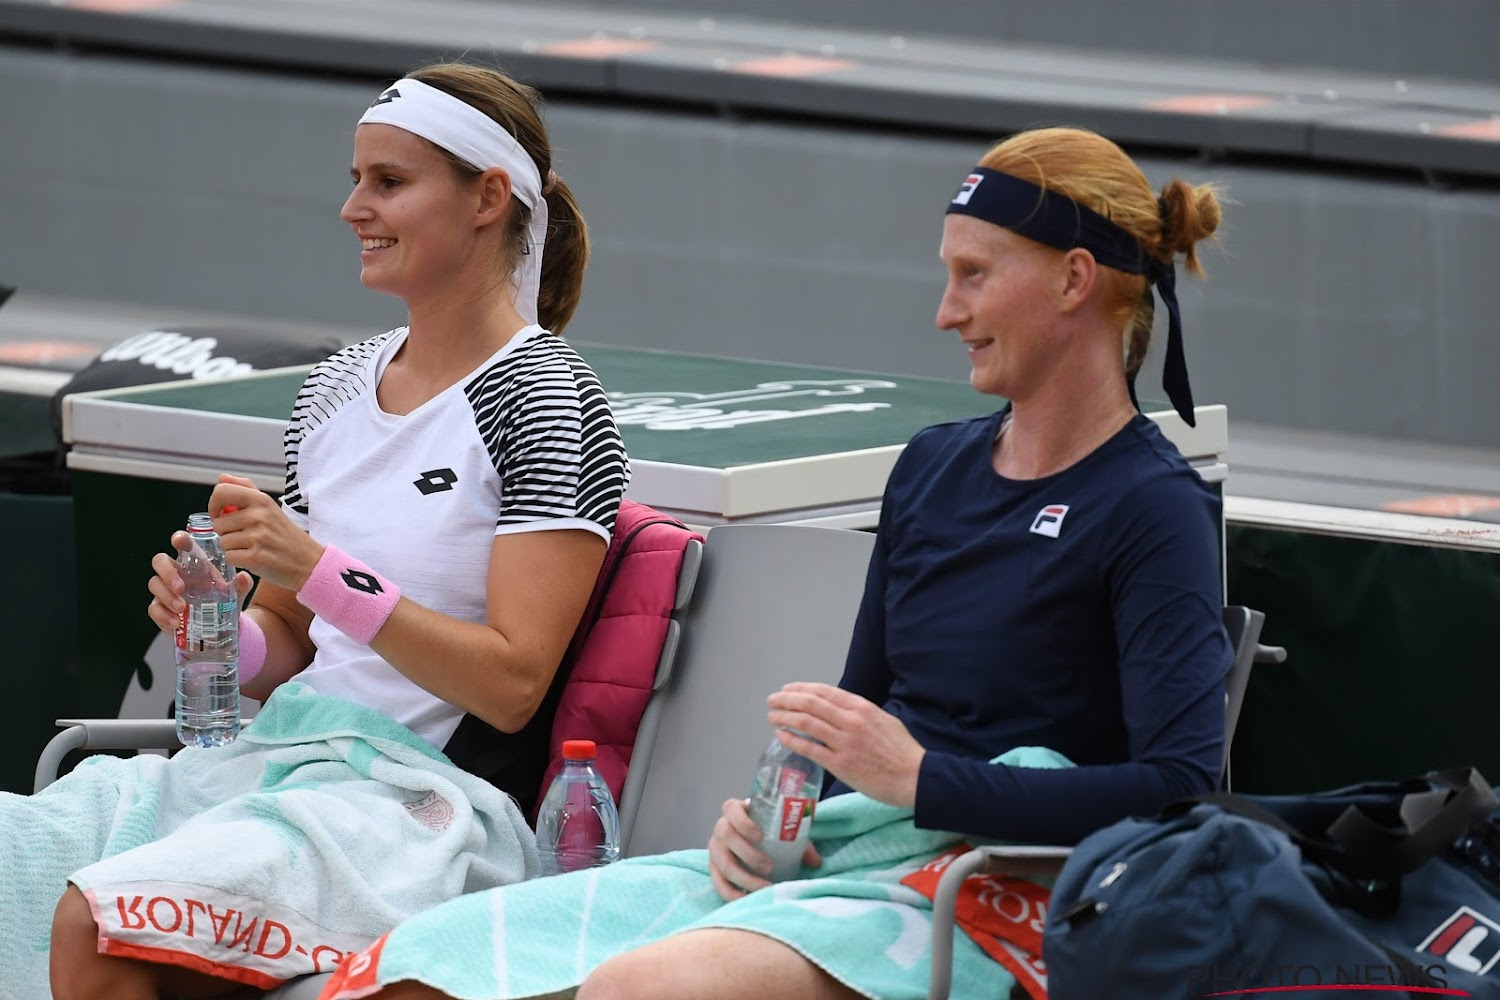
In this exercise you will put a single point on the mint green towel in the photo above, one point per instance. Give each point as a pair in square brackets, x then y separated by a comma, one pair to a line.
[851, 916]
[322, 827]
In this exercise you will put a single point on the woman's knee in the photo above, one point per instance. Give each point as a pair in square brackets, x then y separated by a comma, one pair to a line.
[624, 977]
[712, 963]
[73, 924]
[74, 961]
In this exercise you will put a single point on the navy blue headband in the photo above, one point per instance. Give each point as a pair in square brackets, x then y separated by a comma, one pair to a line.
[1057, 221]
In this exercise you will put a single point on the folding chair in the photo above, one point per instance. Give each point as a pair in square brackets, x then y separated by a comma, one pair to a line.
[1032, 861]
[774, 603]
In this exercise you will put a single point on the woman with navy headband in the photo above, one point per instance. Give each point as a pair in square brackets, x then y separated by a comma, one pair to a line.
[451, 488]
[1046, 576]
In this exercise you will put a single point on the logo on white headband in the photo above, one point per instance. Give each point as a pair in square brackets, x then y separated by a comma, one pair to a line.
[387, 97]
[966, 191]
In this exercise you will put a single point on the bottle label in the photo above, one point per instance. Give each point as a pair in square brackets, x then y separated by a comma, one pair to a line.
[790, 781]
[202, 625]
[794, 811]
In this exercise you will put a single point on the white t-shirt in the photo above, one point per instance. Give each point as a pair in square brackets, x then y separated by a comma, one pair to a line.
[526, 442]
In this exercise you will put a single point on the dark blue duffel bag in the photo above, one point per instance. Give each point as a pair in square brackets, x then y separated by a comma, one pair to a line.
[1361, 891]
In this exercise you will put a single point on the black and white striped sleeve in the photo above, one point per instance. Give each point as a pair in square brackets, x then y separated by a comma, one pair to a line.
[331, 383]
[555, 444]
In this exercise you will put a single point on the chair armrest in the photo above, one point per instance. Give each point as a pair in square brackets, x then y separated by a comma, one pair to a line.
[1022, 860]
[103, 734]
[1269, 654]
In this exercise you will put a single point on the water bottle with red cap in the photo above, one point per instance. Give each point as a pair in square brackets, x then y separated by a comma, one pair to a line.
[578, 825]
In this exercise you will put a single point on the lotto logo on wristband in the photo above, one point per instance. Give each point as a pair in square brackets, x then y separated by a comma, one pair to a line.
[793, 810]
[355, 580]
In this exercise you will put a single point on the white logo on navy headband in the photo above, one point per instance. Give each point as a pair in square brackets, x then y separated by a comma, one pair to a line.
[967, 190]
[1049, 520]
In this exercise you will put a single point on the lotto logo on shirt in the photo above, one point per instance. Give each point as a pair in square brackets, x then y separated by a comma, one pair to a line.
[966, 190]
[1049, 520]
[1467, 940]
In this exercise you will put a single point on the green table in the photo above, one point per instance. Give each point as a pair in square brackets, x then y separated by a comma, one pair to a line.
[712, 440]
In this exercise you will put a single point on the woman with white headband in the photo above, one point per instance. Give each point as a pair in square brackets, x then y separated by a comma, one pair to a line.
[451, 488]
[1039, 652]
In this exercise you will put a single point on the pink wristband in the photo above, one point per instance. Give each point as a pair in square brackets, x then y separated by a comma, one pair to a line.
[252, 649]
[349, 595]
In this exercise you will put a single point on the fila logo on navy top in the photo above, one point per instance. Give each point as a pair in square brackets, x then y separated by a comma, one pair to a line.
[356, 580]
[435, 481]
[387, 97]
[1467, 940]
[966, 191]
[1049, 520]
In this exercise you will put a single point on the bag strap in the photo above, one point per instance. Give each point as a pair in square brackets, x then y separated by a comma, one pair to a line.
[1433, 819]
[1238, 805]
[1361, 847]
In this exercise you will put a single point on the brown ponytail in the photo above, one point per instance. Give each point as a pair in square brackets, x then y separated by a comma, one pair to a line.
[566, 256]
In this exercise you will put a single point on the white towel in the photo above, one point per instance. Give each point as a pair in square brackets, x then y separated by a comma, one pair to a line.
[322, 827]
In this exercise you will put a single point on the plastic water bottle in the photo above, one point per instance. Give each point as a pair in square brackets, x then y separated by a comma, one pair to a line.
[787, 786]
[578, 825]
[208, 641]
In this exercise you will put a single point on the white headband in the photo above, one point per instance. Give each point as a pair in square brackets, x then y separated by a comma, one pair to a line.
[478, 139]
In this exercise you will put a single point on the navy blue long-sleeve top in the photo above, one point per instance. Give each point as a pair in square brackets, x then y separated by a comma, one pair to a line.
[1080, 611]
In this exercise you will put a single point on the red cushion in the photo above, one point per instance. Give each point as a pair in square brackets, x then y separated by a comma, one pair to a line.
[612, 662]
